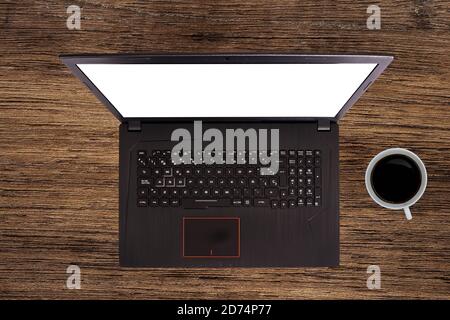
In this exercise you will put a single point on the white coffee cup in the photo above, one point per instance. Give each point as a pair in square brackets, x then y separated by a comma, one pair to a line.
[397, 206]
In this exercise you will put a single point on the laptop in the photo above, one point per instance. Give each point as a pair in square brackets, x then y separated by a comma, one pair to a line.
[228, 160]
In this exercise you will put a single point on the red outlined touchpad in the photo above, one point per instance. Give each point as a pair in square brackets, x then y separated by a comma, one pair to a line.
[211, 237]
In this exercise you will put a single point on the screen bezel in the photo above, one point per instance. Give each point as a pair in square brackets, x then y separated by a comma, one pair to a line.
[73, 60]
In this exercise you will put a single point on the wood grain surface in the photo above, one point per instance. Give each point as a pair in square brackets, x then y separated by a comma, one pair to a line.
[59, 145]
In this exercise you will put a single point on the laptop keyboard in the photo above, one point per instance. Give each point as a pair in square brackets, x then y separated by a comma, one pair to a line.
[298, 182]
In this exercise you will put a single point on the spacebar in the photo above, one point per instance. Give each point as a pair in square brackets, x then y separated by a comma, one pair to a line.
[205, 203]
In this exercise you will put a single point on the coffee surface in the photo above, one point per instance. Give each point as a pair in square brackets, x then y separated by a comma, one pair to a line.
[396, 178]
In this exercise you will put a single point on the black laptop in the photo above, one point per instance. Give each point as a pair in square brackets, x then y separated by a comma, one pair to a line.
[271, 202]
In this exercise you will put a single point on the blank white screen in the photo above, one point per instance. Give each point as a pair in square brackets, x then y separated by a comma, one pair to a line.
[228, 90]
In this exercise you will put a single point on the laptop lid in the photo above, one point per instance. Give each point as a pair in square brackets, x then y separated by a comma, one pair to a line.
[227, 86]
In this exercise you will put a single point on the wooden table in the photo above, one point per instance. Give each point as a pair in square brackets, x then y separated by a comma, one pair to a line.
[59, 145]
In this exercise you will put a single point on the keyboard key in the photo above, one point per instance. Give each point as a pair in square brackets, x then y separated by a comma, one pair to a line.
[283, 204]
[283, 193]
[317, 177]
[257, 192]
[144, 181]
[292, 153]
[261, 202]
[291, 192]
[282, 162]
[309, 202]
[180, 182]
[142, 161]
[317, 197]
[195, 192]
[241, 157]
[226, 192]
[253, 182]
[153, 192]
[164, 192]
[142, 153]
[229, 171]
[274, 182]
[175, 202]
[152, 161]
[292, 203]
[271, 192]
[142, 202]
[317, 153]
[247, 202]
[237, 192]
[153, 202]
[253, 157]
[177, 172]
[275, 204]
[175, 192]
[237, 202]
[309, 153]
[165, 202]
[162, 162]
[309, 171]
[211, 181]
[142, 192]
[300, 153]
[247, 192]
[300, 202]
[169, 182]
[216, 192]
[317, 202]
[282, 174]
[317, 162]
[263, 182]
[143, 172]
[167, 172]
[292, 182]
[205, 203]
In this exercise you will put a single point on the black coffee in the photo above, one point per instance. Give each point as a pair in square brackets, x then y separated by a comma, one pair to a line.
[396, 178]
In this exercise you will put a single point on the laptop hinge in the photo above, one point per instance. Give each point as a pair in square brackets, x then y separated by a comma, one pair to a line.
[323, 125]
[134, 125]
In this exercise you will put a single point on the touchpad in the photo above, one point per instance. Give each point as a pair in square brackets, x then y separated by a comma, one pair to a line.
[211, 237]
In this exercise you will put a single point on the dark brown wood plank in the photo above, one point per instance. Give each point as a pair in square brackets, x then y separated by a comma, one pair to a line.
[59, 145]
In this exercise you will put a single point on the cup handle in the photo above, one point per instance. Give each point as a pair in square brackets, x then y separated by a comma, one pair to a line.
[407, 213]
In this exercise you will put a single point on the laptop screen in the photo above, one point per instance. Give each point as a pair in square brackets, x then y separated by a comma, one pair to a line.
[227, 90]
